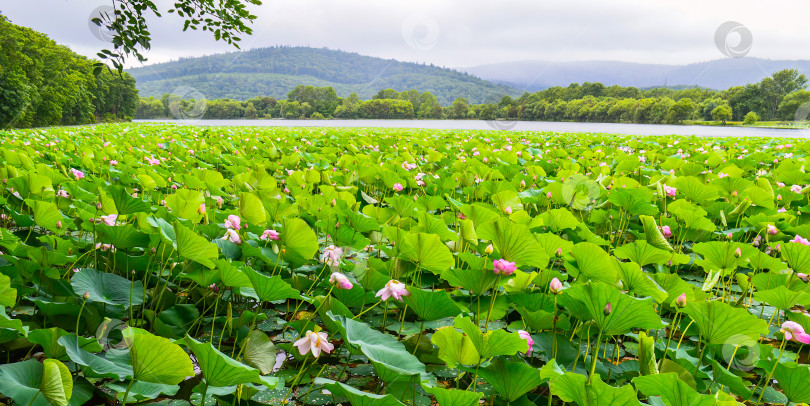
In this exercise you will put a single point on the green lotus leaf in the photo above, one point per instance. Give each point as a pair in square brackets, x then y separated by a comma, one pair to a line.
[514, 242]
[33, 383]
[592, 262]
[298, 241]
[633, 201]
[491, 343]
[454, 397]
[571, 387]
[428, 252]
[156, 359]
[251, 209]
[455, 347]
[388, 355]
[637, 281]
[720, 323]
[194, 247]
[125, 203]
[511, 379]
[107, 288]
[646, 354]
[96, 365]
[674, 392]
[627, 312]
[356, 396]
[797, 256]
[219, 369]
[270, 288]
[185, 204]
[782, 297]
[431, 305]
[8, 295]
[793, 380]
[260, 352]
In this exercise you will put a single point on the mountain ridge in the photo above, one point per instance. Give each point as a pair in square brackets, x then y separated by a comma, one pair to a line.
[274, 71]
[720, 74]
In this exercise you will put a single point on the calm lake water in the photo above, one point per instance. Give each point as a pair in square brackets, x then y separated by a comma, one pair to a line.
[609, 128]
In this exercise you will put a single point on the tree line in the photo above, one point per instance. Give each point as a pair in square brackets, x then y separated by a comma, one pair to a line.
[777, 97]
[44, 84]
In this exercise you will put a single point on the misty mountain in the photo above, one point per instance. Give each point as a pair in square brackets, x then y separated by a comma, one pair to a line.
[718, 74]
[277, 70]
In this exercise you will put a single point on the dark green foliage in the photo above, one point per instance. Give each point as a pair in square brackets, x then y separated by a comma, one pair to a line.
[43, 84]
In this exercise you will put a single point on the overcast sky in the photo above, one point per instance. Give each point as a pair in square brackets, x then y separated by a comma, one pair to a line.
[457, 33]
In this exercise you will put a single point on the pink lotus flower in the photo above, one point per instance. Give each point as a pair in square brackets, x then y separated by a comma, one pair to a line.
[220, 201]
[76, 173]
[772, 230]
[800, 240]
[233, 221]
[796, 189]
[331, 255]
[666, 231]
[62, 193]
[109, 219]
[314, 342]
[270, 235]
[502, 266]
[398, 187]
[802, 276]
[232, 236]
[794, 331]
[681, 300]
[508, 210]
[340, 280]
[114, 162]
[201, 210]
[152, 161]
[670, 191]
[528, 337]
[393, 288]
[555, 286]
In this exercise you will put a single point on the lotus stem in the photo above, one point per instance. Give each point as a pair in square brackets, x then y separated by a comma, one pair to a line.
[595, 357]
[492, 301]
[770, 374]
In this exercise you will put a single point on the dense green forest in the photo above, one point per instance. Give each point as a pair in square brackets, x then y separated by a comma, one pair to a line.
[43, 84]
[276, 71]
[777, 97]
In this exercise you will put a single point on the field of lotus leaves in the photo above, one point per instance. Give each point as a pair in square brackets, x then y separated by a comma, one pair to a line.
[175, 265]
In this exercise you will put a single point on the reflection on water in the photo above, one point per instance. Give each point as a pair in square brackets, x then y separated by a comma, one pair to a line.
[609, 128]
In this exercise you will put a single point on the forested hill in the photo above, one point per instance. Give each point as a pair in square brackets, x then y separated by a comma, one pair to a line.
[43, 83]
[276, 71]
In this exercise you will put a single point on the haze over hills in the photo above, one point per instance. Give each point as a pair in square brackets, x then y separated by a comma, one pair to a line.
[718, 74]
[275, 71]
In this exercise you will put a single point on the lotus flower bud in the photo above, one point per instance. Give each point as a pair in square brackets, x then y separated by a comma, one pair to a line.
[738, 252]
[334, 202]
[608, 309]
[98, 206]
[548, 195]
[558, 253]
[681, 300]
[772, 229]
[734, 193]
[555, 286]
[86, 295]
[508, 210]
[488, 250]
[59, 224]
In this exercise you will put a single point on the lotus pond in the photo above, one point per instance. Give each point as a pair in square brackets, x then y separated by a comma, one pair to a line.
[184, 265]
